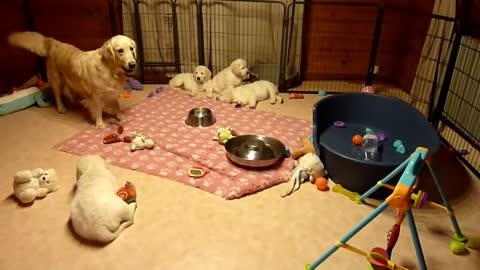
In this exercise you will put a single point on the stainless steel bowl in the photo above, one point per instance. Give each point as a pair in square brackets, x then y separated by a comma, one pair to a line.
[200, 117]
[254, 150]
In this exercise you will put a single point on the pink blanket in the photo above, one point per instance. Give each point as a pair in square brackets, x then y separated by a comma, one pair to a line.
[180, 147]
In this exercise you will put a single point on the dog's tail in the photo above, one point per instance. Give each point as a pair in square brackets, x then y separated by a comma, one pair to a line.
[32, 41]
[104, 235]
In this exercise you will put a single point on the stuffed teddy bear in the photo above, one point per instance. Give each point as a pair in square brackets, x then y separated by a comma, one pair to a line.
[31, 184]
[140, 142]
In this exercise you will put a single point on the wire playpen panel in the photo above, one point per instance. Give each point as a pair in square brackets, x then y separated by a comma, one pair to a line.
[324, 41]
[252, 30]
[462, 107]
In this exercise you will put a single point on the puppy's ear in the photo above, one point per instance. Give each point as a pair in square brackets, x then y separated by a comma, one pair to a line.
[107, 51]
[208, 73]
[235, 67]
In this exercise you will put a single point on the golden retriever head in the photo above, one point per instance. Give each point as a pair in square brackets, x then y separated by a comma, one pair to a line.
[202, 74]
[121, 51]
[239, 68]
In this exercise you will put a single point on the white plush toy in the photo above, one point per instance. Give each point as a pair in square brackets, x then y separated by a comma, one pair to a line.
[31, 184]
[140, 142]
[307, 168]
[250, 94]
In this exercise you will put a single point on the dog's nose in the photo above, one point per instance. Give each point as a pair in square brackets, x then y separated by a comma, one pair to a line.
[132, 65]
[198, 78]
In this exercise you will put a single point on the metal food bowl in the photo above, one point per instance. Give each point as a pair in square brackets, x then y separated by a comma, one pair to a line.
[254, 150]
[200, 117]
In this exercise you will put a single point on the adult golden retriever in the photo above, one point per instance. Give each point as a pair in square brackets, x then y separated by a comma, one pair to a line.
[93, 78]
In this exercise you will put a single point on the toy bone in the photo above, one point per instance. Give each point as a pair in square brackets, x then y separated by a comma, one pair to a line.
[307, 168]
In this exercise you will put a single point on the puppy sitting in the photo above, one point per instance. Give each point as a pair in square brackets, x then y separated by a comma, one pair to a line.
[97, 213]
[192, 82]
[230, 77]
[250, 94]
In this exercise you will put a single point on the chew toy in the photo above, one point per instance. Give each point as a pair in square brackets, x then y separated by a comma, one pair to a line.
[128, 193]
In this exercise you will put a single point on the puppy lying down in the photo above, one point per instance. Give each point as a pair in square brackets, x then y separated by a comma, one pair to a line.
[250, 94]
[97, 213]
[192, 82]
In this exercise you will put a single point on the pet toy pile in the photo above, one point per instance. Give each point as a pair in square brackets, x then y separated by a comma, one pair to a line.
[137, 141]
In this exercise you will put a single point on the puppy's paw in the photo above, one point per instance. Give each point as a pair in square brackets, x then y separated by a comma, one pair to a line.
[100, 125]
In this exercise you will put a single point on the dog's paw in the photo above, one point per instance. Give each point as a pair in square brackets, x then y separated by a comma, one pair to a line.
[100, 125]
[61, 109]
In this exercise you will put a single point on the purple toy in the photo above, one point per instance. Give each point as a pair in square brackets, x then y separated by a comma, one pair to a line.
[159, 90]
[463, 152]
[339, 124]
[133, 84]
[151, 94]
[381, 136]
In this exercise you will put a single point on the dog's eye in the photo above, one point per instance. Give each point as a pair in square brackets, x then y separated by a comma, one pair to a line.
[48, 182]
[120, 50]
[131, 48]
[201, 73]
[243, 68]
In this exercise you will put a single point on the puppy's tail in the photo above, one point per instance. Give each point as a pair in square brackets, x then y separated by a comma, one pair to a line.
[32, 41]
[104, 235]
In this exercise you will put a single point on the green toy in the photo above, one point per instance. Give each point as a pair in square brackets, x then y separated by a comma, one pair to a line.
[224, 134]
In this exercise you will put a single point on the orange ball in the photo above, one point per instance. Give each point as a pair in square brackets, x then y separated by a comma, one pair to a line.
[321, 183]
[357, 140]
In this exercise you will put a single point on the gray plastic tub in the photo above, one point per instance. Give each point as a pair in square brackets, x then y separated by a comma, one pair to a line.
[344, 162]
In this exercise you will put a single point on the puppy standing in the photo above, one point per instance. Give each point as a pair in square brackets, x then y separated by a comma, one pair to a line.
[192, 82]
[250, 94]
[232, 76]
[97, 213]
[93, 78]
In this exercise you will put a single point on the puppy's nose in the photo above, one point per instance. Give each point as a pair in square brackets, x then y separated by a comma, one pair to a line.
[132, 65]
[198, 78]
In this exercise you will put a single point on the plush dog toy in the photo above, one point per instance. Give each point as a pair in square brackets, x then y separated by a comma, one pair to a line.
[307, 168]
[31, 184]
[140, 142]
[307, 148]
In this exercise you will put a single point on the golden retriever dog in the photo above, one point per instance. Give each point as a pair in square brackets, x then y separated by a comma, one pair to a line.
[231, 76]
[192, 82]
[93, 78]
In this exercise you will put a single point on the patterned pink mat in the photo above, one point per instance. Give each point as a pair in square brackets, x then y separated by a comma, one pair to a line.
[180, 147]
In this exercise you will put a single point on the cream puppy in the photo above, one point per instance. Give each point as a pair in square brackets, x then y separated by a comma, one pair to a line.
[97, 213]
[192, 82]
[250, 94]
[230, 77]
